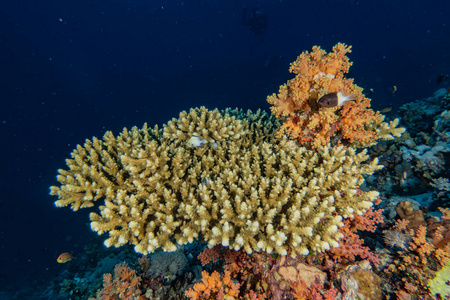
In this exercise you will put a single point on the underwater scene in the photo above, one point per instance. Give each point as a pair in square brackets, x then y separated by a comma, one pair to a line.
[235, 149]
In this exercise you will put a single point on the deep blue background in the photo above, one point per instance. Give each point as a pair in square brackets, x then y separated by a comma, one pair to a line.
[76, 68]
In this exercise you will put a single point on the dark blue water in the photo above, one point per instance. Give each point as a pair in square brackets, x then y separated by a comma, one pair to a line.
[70, 70]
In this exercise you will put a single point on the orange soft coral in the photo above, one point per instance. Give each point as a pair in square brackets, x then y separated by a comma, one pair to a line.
[317, 74]
[124, 284]
[214, 287]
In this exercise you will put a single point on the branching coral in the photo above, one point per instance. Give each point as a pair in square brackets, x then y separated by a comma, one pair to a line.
[317, 74]
[241, 189]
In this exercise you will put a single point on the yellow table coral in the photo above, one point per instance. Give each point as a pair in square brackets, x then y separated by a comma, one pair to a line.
[241, 188]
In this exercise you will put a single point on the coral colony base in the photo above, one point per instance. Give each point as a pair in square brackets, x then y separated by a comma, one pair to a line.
[280, 201]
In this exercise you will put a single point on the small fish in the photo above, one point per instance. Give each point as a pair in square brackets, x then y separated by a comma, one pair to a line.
[394, 89]
[386, 110]
[196, 141]
[335, 99]
[403, 178]
[64, 257]
[404, 175]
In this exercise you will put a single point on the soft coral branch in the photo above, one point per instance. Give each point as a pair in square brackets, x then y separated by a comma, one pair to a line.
[351, 245]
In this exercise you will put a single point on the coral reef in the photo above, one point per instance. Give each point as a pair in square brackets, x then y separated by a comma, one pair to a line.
[424, 251]
[319, 73]
[240, 205]
[427, 146]
[420, 115]
[418, 162]
[427, 159]
[241, 189]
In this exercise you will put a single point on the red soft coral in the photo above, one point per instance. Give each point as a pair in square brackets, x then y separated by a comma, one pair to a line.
[350, 245]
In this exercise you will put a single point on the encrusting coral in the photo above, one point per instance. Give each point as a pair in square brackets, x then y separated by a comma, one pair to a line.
[319, 73]
[240, 188]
